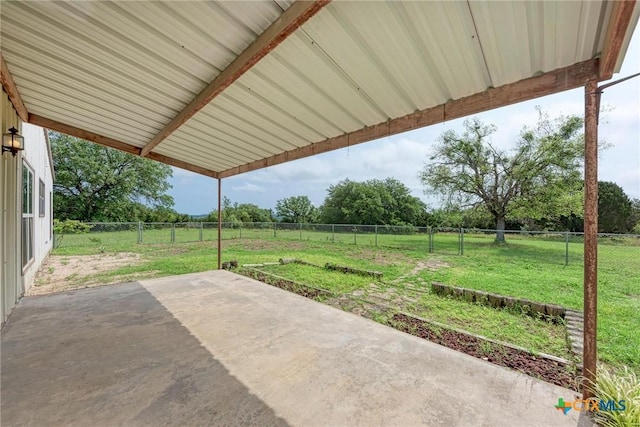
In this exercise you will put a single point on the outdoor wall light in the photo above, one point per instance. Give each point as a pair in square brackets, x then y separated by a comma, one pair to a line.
[12, 141]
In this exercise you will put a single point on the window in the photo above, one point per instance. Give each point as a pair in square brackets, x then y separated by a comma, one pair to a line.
[27, 215]
[50, 215]
[41, 199]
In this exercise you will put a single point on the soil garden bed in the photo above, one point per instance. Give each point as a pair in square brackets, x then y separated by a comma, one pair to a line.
[286, 284]
[530, 364]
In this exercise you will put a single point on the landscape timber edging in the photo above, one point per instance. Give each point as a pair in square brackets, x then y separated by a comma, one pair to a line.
[481, 337]
[499, 301]
[275, 276]
[351, 270]
[284, 261]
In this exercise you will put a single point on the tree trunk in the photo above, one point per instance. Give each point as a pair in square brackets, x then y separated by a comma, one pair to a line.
[500, 230]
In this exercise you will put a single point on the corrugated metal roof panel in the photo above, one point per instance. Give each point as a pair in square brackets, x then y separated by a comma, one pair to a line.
[204, 159]
[536, 37]
[126, 69]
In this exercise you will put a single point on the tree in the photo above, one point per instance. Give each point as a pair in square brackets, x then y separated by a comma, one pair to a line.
[296, 209]
[96, 183]
[540, 177]
[615, 213]
[635, 216]
[383, 202]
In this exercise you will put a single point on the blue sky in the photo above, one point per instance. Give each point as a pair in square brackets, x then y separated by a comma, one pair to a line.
[402, 156]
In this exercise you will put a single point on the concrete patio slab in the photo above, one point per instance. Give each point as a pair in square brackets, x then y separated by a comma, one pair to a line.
[216, 348]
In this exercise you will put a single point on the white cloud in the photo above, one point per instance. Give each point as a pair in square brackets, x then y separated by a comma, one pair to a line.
[247, 186]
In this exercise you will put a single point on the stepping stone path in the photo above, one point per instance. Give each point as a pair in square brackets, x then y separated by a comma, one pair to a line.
[574, 322]
[399, 293]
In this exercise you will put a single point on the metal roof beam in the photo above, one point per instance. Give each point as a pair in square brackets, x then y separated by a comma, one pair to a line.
[290, 20]
[621, 14]
[545, 84]
[11, 89]
[114, 143]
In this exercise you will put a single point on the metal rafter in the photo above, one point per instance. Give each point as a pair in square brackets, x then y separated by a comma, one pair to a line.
[290, 20]
[545, 84]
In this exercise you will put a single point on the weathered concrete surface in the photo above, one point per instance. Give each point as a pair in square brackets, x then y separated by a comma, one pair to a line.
[220, 349]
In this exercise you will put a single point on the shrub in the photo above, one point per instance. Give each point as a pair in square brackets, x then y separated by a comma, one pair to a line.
[620, 385]
[68, 226]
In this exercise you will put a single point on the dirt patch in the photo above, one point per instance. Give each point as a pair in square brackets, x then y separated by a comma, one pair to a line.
[522, 361]
[380, 257]
[63, 272]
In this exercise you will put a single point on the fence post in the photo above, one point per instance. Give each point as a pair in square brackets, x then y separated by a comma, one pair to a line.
[173, 233]
[355, 230]
[376, 236]
[200, 231]
[566, 248]
[275, 225]
[139, 232]
[300, 231]
[240, 229]
[430, 239]
[461, 241]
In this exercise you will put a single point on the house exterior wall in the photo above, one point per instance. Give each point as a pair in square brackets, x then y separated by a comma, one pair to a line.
[10, 248]
[36, 155]
[14, 279]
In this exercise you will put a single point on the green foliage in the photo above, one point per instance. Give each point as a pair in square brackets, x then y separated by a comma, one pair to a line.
[95, 183]
[382, 202]
[540, 177]
[454, 217]
[69, 226]
[621, 385]
[297, 209]
[634, 220]
[614, 209]
[238, 213]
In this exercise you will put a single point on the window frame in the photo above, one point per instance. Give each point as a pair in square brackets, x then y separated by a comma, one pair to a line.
[41, 199]
[27, 218]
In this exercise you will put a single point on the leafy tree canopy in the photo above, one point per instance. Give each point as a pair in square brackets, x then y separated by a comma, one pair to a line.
[615, 209]
[237, 213]
[296, 209]
[384, 202]
[539, 177]
[96, 183]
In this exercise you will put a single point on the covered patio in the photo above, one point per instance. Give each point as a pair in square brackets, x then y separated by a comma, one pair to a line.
[216, 348]
[226, 88]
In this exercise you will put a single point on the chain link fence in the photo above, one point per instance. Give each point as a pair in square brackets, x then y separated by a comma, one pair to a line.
[551, 247]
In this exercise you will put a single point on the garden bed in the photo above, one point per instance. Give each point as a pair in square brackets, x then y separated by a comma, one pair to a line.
[286, 284]
[533, 365]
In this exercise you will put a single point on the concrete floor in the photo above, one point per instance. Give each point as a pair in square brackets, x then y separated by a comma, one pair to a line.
[216, 348]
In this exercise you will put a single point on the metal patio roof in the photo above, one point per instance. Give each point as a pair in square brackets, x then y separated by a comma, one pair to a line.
[222, 88]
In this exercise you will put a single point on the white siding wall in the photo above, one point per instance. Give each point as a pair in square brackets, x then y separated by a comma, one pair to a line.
[15, 280]
[36, 155]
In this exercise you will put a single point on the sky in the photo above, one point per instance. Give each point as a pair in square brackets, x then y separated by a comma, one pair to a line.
[403, 156]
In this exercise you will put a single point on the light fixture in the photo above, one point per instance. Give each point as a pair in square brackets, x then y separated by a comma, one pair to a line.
[12, 141]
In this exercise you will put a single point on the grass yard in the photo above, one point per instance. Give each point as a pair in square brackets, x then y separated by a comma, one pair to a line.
[525, 267]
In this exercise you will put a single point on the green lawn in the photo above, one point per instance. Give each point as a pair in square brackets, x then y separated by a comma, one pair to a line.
[527, 267]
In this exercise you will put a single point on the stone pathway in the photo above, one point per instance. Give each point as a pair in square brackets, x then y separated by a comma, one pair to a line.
[574, 323]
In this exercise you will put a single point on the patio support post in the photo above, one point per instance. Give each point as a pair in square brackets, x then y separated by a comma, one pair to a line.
[589, 358]
[219, 223]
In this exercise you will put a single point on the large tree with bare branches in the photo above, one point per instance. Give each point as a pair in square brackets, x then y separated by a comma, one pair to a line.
[540, 177]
